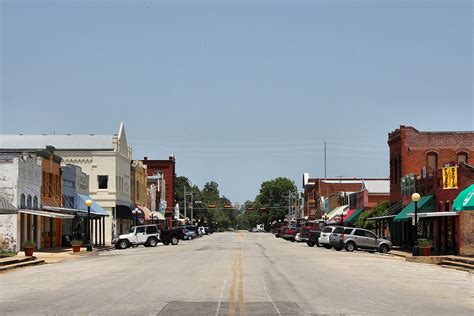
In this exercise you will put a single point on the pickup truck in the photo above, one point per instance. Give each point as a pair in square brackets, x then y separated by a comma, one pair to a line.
[290, 233]
[172, 235]
[313, 237]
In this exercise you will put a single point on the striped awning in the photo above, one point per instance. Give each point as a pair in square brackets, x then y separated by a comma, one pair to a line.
[6, 207]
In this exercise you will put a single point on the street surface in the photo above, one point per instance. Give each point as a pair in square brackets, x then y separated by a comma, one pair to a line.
[236, 273]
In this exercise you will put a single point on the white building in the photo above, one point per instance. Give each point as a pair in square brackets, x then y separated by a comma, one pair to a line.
[20, 185]
[105, 158]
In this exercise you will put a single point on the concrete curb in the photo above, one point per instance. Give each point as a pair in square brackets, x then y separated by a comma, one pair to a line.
[21, 265]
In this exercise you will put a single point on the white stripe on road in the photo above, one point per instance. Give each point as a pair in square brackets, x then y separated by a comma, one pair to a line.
[268, 295]
[220, 298]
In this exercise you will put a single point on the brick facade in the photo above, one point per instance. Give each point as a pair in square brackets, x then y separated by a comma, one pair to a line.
[411, 150]
[167, 168]
[465, 236]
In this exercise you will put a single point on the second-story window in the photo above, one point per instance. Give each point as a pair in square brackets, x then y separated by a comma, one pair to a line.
[22, 201]
[103, 182]
[432, 161]
[462, 157]
[35, 203]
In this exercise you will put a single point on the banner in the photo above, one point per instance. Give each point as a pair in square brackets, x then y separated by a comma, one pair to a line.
[450, 178]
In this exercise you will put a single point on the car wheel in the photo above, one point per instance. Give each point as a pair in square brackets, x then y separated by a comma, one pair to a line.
[292, 240]
[190, 237]
[327, 246]
[383, 248]
[310, 243]
[174, 240]
[338, 248]
[152, 242]
[123, 244]
[166, 243]
[350, 246]
[318, 244]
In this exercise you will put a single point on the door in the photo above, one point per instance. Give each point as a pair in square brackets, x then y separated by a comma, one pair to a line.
[360, 238]
[140, 234]
[371, 239]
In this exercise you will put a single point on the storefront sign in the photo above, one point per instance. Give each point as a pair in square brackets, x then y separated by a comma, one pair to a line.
[450, 178]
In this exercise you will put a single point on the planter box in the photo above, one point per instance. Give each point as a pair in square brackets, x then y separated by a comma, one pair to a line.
[425, 251]
[76, 248]
[29, 251]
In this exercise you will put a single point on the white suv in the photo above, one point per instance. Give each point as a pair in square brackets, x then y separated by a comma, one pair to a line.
[324, 237]
[147, 235]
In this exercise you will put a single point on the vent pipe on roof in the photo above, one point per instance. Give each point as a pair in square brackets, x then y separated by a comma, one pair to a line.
[20, 134]
[68, 134]
[91, 134]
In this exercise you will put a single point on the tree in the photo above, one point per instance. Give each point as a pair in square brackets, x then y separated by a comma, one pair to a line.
[362, 222]
[274, 197]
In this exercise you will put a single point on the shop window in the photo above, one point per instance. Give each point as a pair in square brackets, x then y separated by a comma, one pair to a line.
[432, 161]
[462, 157]
[22, 201]
[103, 182]
[28, 201]
[35, 203]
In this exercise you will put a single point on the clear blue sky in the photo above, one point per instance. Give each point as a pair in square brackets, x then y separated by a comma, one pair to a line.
[244, 91]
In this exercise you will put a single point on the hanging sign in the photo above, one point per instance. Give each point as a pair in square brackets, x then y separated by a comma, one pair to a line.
[450, 178]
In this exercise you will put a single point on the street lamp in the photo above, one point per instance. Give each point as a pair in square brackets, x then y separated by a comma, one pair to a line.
[415, 197]
[136, 212]
[88, 234]
[151, 215]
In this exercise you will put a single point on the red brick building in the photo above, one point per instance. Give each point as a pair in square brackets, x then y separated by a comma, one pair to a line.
[167, 168]
[412, 150]
[321, 195]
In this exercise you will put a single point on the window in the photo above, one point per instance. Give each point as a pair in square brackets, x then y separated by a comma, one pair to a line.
[22, 201]
[462, 157]
[68, 184]
[432, 161]
[347, 231]
[370, 234]
[327, 229]
[338, 230]
[140, 229]
[151, 230]
[137, 196]
[359, 232]
[35, 203]
[28, 202]
[103, 182]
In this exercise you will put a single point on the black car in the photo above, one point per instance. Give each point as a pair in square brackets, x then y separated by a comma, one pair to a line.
[313, 237]
[208, 230]
[194, 229]
[172, 236]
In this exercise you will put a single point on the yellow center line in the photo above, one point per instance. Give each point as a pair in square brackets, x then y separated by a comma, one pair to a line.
[237, 269]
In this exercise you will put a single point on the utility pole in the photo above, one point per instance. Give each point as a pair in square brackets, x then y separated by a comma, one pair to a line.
[185, 201]
[325, 154]
[192, 208]
[289, 206]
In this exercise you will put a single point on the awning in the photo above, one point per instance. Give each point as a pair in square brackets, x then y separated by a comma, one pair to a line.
[337, 211]
[425, 205]
[157, 216]
[6, 207]
[145, 211]
[353, 217]
[391, 212]
[46, 214]
[123, 212]
[434, 214]
[465, 200]
[96, 209]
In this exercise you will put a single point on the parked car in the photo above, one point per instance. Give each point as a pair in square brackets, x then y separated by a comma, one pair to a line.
[201, 230]
[305, 232]
[313, 237]
[208, 230]
[193, 228]
[147, 235]
[280, 231]
[172, 235]
[290, 233]
[365, 239]
[189, 234]
[336, 238]
[324, 238]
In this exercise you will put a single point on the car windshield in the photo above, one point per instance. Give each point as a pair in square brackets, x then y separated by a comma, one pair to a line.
[131, 230]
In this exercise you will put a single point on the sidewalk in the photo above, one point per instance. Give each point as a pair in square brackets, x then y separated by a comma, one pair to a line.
[434, 259]
[54, 255]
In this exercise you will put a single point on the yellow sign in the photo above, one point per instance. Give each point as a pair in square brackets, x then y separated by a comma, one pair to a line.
[450, 178]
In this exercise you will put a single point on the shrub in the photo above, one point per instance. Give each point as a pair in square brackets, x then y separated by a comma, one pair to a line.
[76, 242]
[29, 244]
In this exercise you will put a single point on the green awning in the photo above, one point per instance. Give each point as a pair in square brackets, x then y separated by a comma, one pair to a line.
[465, 200]
[335, 210]
[353, 217]
[425, 205]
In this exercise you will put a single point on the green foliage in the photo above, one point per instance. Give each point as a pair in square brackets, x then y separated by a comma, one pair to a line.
[7, 253]
[424, 243]
[76, 242]
[28, 244]
[362, 222]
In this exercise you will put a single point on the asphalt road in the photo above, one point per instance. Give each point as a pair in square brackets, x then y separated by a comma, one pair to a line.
[236, 274]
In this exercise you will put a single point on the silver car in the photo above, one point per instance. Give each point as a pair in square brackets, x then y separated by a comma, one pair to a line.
[324, 237]
[365, 239]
